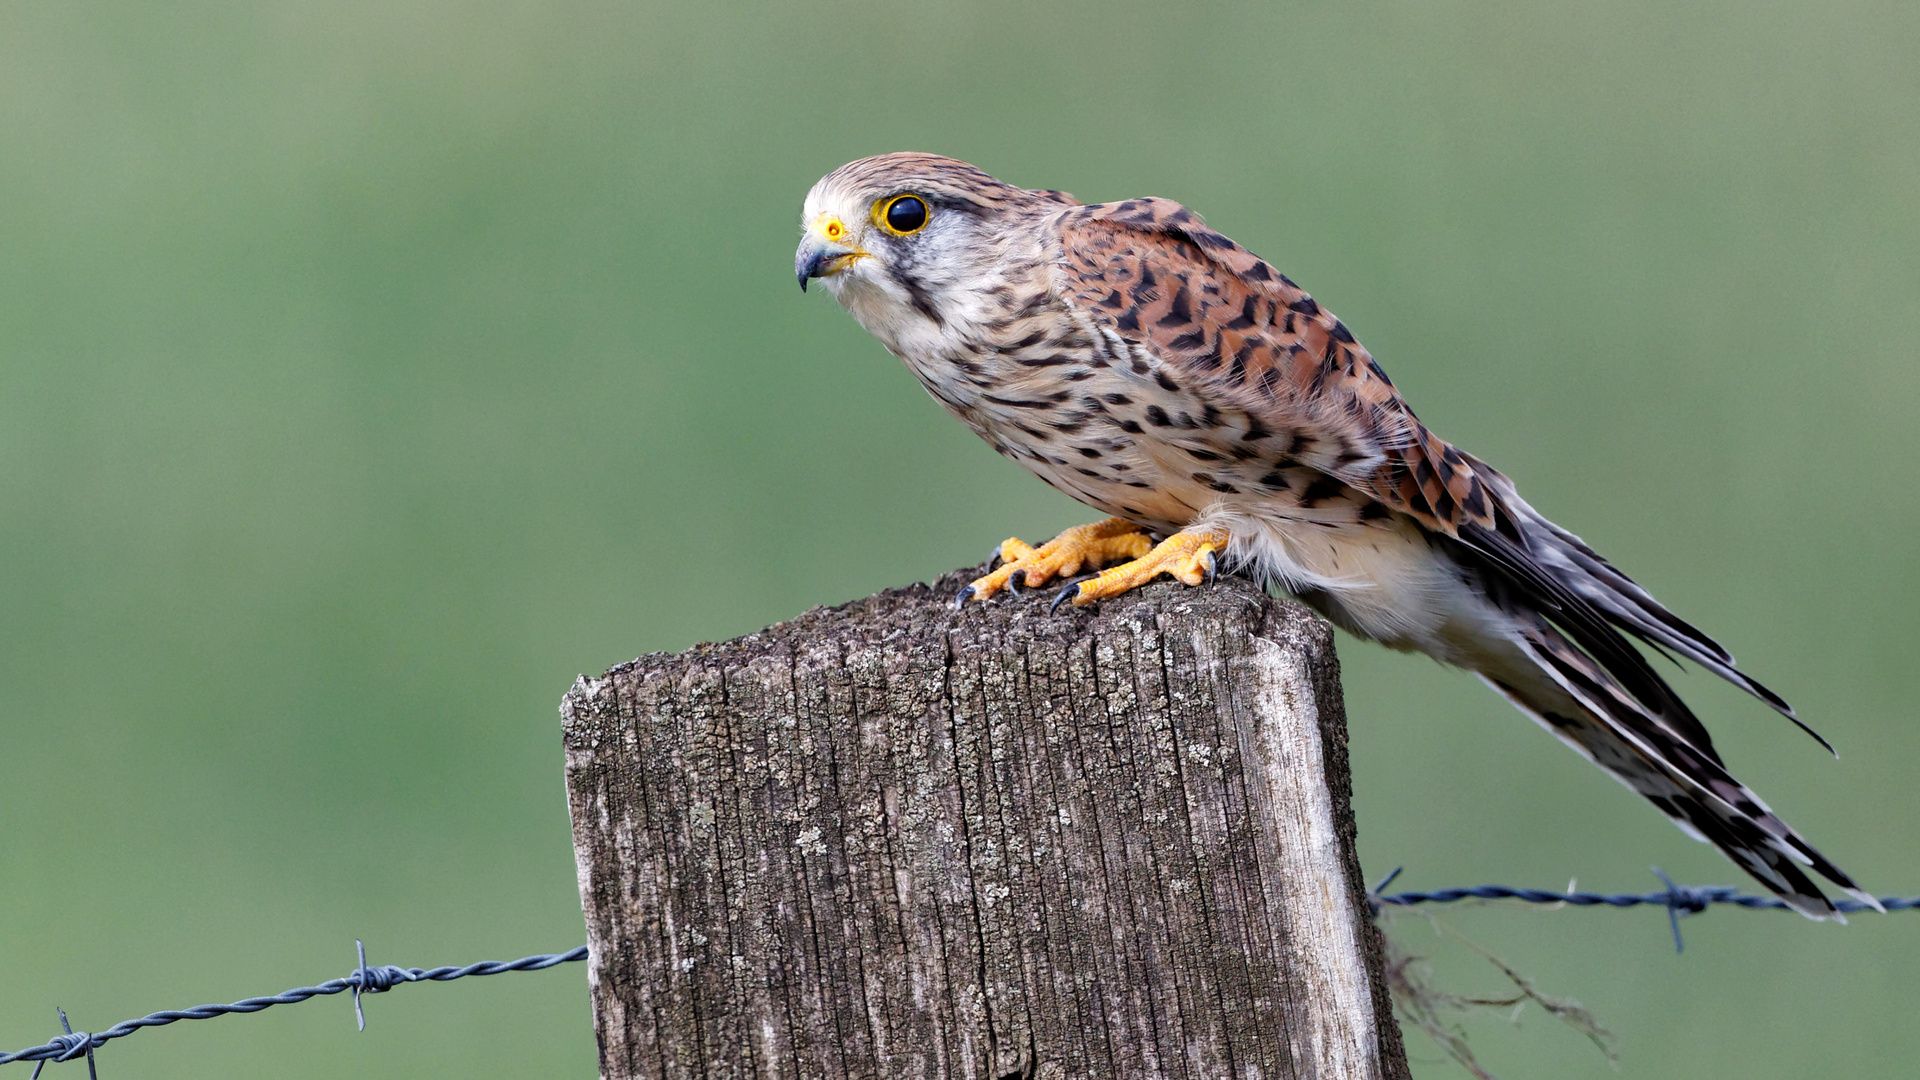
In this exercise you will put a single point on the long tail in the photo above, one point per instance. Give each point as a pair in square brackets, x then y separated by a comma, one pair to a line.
[1573, 670]
[1574, 698]
[1543, 618]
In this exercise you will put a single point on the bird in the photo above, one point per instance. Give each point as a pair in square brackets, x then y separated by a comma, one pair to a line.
[1155, 370]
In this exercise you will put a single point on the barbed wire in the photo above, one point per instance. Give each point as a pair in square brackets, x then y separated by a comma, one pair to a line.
[73, 1044]
[1678, 900]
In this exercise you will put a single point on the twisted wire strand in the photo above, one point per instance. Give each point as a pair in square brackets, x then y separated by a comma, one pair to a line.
[1690, 899]
[1678, 900]
[362, 980]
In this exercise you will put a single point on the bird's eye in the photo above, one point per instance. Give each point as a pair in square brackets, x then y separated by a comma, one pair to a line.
[903, 215]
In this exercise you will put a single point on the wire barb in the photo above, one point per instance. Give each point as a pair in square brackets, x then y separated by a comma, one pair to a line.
[1374, 899]
[1686, 900]
[71, 1044]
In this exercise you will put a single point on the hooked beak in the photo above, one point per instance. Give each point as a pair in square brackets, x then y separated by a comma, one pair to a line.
[819, 258]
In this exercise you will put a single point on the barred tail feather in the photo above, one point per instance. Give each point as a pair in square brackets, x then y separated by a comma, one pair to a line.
[1516, 610]
[1553, 552]
[1571, 696]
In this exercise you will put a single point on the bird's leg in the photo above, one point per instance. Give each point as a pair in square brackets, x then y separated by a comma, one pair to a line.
[1083, 545]
[1189, 555]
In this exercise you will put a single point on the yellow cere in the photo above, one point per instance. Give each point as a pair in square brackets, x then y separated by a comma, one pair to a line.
[831, 228]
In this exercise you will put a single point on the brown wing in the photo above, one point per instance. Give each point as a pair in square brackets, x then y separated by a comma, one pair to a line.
[1151, 271]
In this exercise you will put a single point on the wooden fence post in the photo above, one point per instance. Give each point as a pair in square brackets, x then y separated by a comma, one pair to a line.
[890, 840]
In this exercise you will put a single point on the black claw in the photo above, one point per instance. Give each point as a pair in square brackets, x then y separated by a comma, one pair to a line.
[1213, 566]
[1062, 596]
[1013, 584]
[960, 601]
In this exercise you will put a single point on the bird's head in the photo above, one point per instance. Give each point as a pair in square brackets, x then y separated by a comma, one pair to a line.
[895, 236]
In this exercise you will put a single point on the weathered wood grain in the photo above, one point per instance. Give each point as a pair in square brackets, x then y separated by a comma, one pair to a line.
[889, 840]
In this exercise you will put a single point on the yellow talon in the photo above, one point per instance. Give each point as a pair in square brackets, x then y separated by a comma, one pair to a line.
[1083, 545]
[1188, 555]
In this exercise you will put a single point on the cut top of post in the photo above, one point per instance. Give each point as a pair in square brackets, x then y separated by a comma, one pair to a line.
[888, 839]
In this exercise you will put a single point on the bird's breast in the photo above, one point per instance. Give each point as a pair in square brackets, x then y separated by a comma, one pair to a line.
[1103, 419]
[1087, 415]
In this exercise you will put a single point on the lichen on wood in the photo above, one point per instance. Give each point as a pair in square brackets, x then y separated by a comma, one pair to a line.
[892, 840]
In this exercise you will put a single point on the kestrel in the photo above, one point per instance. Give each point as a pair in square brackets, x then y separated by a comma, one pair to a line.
[1162, 374]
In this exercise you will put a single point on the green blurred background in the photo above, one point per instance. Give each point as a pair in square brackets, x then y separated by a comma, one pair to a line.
[369, 369]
